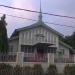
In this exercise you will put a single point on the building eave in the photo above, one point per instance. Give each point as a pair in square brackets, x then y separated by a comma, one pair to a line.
[66, 45]
[40, 24]
[14, 38]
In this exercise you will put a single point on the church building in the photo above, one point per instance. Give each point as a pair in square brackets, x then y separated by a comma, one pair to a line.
[38, 44]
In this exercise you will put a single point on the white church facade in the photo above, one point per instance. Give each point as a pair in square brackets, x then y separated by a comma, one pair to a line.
[38, 44]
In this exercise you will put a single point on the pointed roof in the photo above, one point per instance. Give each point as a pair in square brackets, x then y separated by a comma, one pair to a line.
[38, 23]
[40, 15]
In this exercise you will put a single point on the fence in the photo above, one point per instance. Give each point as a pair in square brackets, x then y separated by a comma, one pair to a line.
[32, 57]
[63, 60]
[10, 57]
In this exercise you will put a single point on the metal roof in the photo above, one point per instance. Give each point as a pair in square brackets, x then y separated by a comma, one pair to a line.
[39, 23]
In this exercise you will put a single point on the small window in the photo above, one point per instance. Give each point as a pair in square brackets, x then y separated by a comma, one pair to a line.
[61, 52]
[52, 50]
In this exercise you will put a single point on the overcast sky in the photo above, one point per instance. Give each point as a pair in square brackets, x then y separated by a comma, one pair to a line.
[60, 7]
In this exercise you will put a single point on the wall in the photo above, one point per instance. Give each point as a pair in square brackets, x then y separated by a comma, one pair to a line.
[14, 44]
[66, 50]
[31, 36]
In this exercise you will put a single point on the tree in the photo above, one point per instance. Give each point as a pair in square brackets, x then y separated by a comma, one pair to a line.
[37, 70]
[70, 40]
[17, 70]
[3, 35]
[52, 70]
[6, 69]
[27, 70]
[69, 70]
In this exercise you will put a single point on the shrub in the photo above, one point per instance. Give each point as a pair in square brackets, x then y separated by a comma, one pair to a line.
[37, 69]
[6, 69]
[17, 70]
[69, 70]
[27, 70]
[52, 70]
[66, 70]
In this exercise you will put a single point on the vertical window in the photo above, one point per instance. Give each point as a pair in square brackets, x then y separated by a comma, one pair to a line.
[54, 39]
[61, 53]
[36, 35]
[22, 38]
[30, 35]
[22, 48]
[33, 38]
[26, 36]
[22, 35]
[25, 50]
[46, 36]
[50, 37]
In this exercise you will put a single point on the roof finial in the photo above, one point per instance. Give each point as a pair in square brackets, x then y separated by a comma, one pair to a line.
[40, 15]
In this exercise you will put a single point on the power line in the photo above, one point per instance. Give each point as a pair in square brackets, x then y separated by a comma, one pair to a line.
[37, 12]
[60, 24]
[36, 20]
[19, 17]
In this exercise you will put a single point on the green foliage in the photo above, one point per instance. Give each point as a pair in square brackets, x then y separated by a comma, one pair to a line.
[69, 70]
[17, 70]
[37, 70]
[6, 69]
[27, 70]
[70, 40]
[52, 70]
[3, 36]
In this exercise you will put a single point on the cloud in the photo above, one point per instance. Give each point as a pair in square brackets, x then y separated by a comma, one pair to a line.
[14, 23]
[61, 7]
[23, 4]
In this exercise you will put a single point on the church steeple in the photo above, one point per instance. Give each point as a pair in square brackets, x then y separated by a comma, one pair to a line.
[40, 15]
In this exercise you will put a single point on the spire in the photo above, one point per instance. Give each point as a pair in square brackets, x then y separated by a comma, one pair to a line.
[40, 15]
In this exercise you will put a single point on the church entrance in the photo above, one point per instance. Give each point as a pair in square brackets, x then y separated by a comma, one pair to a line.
[40, 50]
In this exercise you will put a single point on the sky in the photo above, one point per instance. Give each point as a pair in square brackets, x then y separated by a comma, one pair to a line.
[59, 7]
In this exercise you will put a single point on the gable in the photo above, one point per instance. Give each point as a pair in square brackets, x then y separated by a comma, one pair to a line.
[37, 34]
[37, 25]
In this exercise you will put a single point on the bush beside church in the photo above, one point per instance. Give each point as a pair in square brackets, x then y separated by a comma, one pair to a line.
[35, 70]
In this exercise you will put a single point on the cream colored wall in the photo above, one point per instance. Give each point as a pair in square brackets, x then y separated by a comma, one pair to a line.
[66, 50]
[28, 37]
[14, 43]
